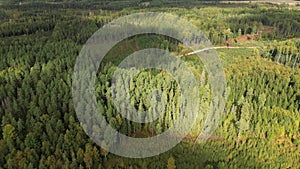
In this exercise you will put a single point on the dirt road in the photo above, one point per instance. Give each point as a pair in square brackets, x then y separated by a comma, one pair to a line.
[217, 47]
[291, 2]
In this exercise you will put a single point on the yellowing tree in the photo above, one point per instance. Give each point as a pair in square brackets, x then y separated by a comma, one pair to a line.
[171, 163]
[8, 132]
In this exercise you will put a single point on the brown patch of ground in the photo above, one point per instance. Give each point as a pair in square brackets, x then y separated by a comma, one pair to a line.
[244, 38]
[268, 29]
[252, 37]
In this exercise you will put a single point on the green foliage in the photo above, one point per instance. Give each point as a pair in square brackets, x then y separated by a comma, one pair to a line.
[284, 52]
[39, 129]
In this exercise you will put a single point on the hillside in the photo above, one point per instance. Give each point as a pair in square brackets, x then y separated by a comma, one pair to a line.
[257, 46]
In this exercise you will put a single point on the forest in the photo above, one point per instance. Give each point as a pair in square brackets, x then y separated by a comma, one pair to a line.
[260, 53]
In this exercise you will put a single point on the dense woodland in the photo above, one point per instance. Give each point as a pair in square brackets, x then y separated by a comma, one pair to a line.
[260, 126]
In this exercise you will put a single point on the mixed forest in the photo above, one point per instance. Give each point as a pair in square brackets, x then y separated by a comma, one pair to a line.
[39, 44]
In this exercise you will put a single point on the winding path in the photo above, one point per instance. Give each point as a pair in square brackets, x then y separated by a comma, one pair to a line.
[217, 47]
[290, 2]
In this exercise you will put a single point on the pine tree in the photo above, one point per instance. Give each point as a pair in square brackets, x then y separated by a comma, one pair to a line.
[171, 163]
